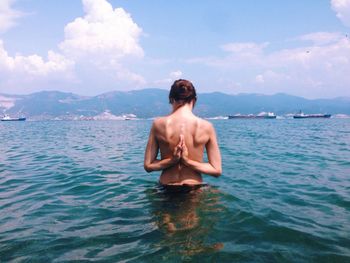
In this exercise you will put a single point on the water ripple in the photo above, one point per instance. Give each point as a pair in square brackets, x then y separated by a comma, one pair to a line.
[77, 191]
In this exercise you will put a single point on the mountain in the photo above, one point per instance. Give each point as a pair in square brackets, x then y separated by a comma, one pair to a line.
[148, 103]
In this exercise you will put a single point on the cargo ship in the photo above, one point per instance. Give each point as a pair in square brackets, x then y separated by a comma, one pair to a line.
[8, 118]
[262, 115]
[301, 115]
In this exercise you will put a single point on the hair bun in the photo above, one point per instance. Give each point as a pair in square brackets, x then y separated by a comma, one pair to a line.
[182, 90]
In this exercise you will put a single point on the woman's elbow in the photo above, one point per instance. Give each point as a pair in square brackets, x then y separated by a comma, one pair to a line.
[217, 172]
[147, 168]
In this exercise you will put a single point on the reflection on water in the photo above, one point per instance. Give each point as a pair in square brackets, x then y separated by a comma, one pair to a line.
[186, 219]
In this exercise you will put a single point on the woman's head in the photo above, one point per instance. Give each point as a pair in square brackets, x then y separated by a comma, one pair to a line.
[182, 91]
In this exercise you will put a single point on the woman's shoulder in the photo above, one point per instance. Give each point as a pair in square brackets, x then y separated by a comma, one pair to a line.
[204, 124]
[159, 121]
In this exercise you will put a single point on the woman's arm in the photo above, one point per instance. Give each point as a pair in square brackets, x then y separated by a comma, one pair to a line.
[150, 162]
[213, 167]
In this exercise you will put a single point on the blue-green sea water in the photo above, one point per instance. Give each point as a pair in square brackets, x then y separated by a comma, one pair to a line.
[78, 191]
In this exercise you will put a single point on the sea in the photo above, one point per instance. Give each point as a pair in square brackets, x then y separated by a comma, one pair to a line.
[77, 191]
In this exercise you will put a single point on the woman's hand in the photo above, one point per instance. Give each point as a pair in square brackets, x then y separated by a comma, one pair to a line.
[177, 153]
[180, 151]
[184, 153]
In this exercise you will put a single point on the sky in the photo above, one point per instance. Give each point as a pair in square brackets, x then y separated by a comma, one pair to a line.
[89, 47]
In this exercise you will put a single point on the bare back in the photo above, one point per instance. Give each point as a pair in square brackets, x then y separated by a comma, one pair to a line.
[196, 134]
[181, 138]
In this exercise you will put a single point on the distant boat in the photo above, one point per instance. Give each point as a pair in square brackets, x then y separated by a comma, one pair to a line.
[8, 118]
[129, 117]
[262, 115]
[301, 115]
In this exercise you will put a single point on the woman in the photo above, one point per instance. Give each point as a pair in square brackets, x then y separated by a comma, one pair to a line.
[181, 138]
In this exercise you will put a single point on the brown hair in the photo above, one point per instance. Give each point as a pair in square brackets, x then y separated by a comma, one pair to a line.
[182, 91]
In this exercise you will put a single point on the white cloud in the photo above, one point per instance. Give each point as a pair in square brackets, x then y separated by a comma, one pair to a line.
[106, 39]
[309, 70]
[321, 38]
[259, 79]
[8, 15]
[245, 47]
[34, 64]
[103, 31]
[238, 52]
[19, 73]
[174, 75]
[342, 8]
[271, 77]
[123, 74]
[97, 53]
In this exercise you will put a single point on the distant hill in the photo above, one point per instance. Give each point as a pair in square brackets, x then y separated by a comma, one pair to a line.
[148, 103]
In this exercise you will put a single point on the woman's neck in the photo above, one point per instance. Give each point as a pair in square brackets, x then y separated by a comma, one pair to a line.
[182, 108]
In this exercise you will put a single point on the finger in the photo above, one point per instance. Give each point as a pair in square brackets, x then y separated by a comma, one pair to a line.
[181, 138]
[179, 144]
[178, 149]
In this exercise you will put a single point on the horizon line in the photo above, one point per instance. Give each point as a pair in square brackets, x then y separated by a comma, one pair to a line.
[133, 90]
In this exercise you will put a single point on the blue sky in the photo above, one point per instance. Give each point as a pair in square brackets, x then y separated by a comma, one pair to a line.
[94, 46]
